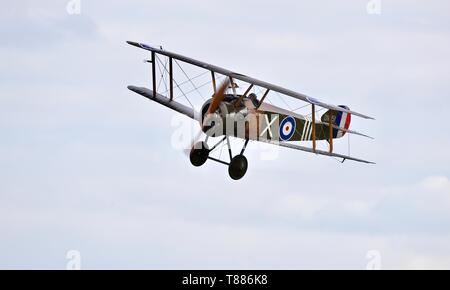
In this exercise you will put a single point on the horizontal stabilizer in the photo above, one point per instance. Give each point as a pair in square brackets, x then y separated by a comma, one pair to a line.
[347, 130]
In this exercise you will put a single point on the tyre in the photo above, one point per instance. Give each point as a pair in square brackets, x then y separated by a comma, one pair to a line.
[238, 167]
[199, 154]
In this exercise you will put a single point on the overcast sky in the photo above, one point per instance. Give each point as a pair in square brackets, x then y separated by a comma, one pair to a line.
[87, 165]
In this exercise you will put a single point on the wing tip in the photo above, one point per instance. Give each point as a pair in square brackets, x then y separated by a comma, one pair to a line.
[361, 115]
[132, 88]
[133, 43]
[361, 134]
[357, 160]
[143, 46]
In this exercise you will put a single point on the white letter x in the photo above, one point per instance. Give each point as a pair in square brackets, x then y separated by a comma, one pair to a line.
[268, 125]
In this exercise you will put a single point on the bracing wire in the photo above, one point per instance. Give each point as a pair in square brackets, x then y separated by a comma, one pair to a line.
[190, 80]
[179, 88]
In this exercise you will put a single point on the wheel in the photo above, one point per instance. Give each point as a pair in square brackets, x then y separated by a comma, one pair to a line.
[238, 167]
[199, 154]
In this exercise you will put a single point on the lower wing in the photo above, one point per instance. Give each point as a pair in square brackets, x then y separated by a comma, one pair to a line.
[180, 108]
[320, 152]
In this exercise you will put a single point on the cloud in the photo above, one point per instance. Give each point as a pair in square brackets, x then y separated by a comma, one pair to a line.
[436, 183]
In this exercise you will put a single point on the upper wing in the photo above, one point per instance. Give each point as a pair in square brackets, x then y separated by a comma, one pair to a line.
[165, 101]
[247, 79]
[317, 151]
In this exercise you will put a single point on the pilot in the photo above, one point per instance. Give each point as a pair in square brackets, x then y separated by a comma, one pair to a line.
[254, 99]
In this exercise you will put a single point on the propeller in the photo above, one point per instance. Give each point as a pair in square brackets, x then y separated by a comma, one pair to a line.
[217, 98]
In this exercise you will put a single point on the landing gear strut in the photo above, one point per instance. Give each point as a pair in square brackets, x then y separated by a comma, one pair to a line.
[236, 168]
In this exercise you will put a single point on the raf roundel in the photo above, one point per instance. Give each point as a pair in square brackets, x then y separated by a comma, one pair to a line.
[287, 128]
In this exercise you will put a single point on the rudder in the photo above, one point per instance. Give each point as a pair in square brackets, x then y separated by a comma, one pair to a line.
[339, 119]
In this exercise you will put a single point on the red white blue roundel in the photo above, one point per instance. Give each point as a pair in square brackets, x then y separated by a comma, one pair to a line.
[287, 128]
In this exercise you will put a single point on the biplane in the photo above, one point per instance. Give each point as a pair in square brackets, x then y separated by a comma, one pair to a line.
[245, 115]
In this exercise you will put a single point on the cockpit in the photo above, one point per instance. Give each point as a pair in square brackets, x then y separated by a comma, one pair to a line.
[231, 98]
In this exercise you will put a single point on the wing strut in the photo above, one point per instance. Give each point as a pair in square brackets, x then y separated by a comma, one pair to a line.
[314, 127]
[233, 86]
[239, 101]
[171, 78]
[262, 99]
[213, 81]
[331, 132]
[154, 73]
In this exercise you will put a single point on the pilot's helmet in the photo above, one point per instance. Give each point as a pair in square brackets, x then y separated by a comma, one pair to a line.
[254, 99]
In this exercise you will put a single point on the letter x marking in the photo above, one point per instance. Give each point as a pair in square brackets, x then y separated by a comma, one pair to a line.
[268, 125]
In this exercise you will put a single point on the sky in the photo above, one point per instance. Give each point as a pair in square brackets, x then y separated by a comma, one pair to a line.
[89, 175]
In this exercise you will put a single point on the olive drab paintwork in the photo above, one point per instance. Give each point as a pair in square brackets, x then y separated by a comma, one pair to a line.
[265, 123]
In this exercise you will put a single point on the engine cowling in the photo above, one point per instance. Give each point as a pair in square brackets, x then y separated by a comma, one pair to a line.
[213, 124]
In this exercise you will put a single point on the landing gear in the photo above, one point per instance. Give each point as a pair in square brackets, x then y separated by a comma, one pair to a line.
[199, 154]
[238, 167]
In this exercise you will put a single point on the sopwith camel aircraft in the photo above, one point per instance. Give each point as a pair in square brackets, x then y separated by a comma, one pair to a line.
[249, 117]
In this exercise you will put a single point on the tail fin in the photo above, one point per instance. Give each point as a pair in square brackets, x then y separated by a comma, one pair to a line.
[338, 118]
